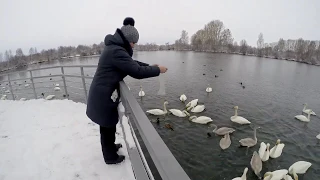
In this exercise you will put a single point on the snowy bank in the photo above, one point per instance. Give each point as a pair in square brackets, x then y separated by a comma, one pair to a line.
[52, 140]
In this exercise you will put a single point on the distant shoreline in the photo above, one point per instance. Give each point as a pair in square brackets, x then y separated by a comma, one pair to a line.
[96, 55]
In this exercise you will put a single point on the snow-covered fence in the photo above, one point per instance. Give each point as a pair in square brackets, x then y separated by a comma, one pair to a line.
[164, 161]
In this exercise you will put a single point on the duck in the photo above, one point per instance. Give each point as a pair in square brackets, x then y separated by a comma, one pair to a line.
[256, 164]
[179, 113]
[26, 85]
[200, 119]
[299, 167]
[276, 151]
[225, 142]
[221, 131]
[238, 119]
[50, 97]
[249, 142]
[318, 136]
[305, 110]
[275, 175]
[244, 175]
[57, 89]
[141, 92]
[264, 151]
[198, 108]
[192, 103]
[183, 98]
[209, 89]
[159, 112]
[304, 118]
[169, 126]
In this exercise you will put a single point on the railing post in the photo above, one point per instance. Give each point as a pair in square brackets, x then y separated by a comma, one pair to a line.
[33, 87]
[64, 83]
[84, 84]
[11, 91]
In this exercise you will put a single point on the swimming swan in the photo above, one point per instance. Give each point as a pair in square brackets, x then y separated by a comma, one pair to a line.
[159, 112]
[238, 119]
[276, 151]
[200, 119]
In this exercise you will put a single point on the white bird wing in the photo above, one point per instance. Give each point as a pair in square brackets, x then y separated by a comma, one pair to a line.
[318, 136]
[276, 151]
[247, 142]
[225, 142]
[299, 167]
[198, 108]
[256, 163]
[262, 149]
[224, 130]
[155, 111]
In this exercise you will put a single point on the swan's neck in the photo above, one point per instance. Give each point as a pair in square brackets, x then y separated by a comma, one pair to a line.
[309, 115]
[255, 134]
[215, 127]
[164, 108]
[295, 175]
[244, 176]
[235, 112]
[304, 107]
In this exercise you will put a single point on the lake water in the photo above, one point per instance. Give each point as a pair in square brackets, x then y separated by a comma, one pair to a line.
[274, 93]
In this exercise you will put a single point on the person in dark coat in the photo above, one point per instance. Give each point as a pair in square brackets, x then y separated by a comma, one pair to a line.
[114, 65]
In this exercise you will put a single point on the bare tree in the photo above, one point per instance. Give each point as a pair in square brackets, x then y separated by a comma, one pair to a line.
[1, 57]
[299, 49]
[19, 52]
[243, 47]
[35, 51]
[260, 44]
[311, 51]
[31, 52]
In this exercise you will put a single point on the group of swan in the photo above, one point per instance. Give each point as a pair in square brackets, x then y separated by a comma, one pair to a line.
[275, 152]
[57, 88]
[307, 111]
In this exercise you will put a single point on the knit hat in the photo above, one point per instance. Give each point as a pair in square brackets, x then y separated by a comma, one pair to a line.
[131, 33]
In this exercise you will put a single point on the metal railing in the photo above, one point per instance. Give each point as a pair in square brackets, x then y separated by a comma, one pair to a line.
[164, 161]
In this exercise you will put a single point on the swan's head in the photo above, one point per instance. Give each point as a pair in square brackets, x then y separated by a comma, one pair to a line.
[278, 141]
[166, 103]
[236, 107]
[192, 117]
[268, 174]
[305, 104]
[268, 146]
[245, 171]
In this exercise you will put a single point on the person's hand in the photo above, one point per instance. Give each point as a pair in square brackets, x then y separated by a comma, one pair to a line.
[163, 69]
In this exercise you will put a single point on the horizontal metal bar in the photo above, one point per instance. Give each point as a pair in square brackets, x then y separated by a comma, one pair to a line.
[78, 66]
[70, 92]
[166, 164]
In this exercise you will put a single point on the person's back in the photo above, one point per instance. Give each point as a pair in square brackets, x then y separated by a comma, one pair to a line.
[114, 64]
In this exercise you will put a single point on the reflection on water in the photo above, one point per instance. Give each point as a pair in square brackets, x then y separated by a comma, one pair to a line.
[274, 93]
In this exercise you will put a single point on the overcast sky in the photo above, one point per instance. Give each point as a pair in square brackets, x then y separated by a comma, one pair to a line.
[50, 23]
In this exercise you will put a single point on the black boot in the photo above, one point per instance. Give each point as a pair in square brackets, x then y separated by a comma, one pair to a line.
[115, 161]
[118, 146]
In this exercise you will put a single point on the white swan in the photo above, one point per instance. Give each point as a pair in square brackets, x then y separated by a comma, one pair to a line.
[57, 89]
[179, 113]
[244, 175]
[256, 164]
[318, 136]
[26, 85]
[221, 131]
[141, 92]
[225, 142]
[238, 119]
[198, 109]
[299, 167]
[3, 97]
[264, 152]
[23, 99]
[200, 119]
[50, 97]
[275, 175]
[305, 110]
[276, 151]
[183, 98]
[159, 112]
[209, 89]
[192, 103]
[57, 85]
[303, 118]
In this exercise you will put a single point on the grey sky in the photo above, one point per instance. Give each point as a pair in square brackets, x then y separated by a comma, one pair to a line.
[50, 23]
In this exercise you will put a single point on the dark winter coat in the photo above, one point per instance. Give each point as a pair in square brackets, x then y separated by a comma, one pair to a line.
[115, 63]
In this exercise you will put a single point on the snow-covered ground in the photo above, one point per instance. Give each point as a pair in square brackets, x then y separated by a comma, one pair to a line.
[54, 140]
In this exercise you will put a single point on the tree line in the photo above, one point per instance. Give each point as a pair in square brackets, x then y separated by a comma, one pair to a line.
[19, 59]
[215, 37]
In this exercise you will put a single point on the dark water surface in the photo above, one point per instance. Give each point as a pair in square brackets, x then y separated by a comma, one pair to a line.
[274, 93]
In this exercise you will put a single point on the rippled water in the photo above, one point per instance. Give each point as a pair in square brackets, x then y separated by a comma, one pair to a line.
[274, 93]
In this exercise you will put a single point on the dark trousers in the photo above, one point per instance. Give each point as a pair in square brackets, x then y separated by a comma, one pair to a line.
[108, 137]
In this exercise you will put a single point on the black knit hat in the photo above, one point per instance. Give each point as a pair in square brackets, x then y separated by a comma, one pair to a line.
[128, 21]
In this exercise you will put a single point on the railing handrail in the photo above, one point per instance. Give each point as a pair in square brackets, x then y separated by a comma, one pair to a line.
[166, 164]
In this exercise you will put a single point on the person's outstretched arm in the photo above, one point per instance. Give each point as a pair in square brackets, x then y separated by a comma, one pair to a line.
[141, 63]
[125, 63]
